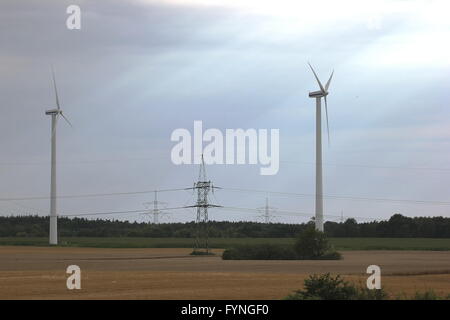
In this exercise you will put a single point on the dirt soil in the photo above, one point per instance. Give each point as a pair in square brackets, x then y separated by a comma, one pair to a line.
[39, 273]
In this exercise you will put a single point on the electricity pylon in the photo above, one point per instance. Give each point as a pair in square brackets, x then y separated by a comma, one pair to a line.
[266, 211]
[203, 187]
[155, 208]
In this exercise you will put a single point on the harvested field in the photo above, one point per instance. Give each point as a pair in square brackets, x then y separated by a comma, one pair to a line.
[39, 273]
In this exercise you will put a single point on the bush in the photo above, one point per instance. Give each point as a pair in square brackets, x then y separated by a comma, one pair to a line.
[327, 287]
[371, 294]
[331, 255]
[427, 295]
[201, 253]
[313, 244]
[260, 252]
[324, 287]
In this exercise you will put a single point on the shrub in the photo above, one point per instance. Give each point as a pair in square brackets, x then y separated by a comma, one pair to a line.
[427, 295]
[260, 252]
[201, 253]
[371, 294]
[331, 255]
[313, 244]
[327, 287]
[324, 287]
[418, 295]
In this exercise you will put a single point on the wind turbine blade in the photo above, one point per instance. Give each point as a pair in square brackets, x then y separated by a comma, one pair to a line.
[328, 82]
[67, 120]
[56, 90]
[326, 113]
[317, 78]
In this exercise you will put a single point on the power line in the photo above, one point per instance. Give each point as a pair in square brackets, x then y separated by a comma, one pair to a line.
[112, 212]
[431, 202]
[37, 163]
[91, 195]
[292, 213]
[42, 163]
[370, 166]
[330, 217]
[227, 208]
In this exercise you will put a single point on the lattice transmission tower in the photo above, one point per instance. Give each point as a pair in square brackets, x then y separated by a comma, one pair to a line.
[202, 187]
[267, 211]
[155, 208]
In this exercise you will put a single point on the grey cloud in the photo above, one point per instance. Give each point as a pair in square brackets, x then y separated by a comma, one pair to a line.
[135, 72]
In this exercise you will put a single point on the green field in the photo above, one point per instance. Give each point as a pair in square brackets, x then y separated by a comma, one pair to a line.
[338, 243]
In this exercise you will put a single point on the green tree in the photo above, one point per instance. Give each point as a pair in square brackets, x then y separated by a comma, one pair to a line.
[311, 244]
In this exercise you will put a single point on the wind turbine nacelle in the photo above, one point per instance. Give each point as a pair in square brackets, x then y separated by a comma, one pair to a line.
[52, 112]
[317, 94]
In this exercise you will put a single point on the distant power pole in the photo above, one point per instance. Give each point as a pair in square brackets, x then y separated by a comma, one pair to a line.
[266, 210]
[203, 187]
[155, 205]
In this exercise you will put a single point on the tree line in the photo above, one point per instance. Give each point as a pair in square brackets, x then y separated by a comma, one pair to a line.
[397, 226]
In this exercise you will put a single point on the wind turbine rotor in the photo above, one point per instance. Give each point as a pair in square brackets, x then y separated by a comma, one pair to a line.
[327, 85]
[56, 90]
[326, 114]
[328, 82]
[322, 93]
[65, 118]
[58, 110]
[322, 89]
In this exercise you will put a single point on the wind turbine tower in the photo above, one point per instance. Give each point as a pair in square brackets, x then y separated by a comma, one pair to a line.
[55, 113]
[318, 95]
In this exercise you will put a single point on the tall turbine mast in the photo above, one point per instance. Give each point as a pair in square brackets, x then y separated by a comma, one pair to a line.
[318, 95]
[55, 113]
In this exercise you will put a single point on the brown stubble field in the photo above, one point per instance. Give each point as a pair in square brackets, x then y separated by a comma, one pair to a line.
[39, 273]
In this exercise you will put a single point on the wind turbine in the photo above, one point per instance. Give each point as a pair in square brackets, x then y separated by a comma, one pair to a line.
[55, 113]
[318, 95]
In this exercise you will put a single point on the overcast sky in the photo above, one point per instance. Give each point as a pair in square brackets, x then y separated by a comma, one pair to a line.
[137, 70]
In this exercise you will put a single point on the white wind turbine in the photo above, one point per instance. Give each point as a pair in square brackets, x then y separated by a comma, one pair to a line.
[323, 92]
[55, 113]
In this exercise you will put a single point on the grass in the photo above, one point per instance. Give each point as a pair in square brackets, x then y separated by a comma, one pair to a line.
[391, 244]
[338, 243]
[140, 242]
